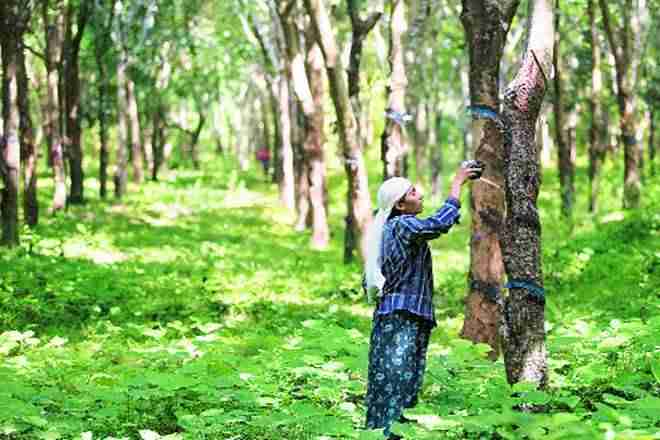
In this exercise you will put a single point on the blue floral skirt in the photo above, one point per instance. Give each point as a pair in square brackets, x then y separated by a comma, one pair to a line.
[397, 360]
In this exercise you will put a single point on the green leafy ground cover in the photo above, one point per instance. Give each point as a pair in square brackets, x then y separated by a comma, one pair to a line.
[192, 310]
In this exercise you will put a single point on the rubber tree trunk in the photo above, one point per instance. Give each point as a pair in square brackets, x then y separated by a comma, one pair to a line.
[563, 137]
[437, 159]
[102, 41]
[597, 133]
[72, 101]
[421, 139]
[652, 142]
[523, 317]
[10, 143]
[626, 44]
[393, 145]
[357, 199]
[28, 147]
[486, 25]
[314, 150]
[121, 171]
[284, 95]
[136, 135]
[53, 54]
[360, 28]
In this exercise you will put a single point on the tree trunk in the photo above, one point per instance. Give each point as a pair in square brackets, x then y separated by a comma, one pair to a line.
[28, 147]
[136, 135]
[102, 42]
[158, 139]
[523, 317]
[597, 135]
[436, 153]
[52, 116]
[10, 143]
[626, 48]
[194, 139]
[486, 26]
[468, 136]
[314, 151]
[562, 134]
[72, 101]
[652, 147]
[121, 172]
[421, 140]
[393, 144]
[360, 28]
[358, 201]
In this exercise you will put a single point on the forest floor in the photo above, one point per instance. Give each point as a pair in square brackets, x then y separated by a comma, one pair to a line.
[193, 310]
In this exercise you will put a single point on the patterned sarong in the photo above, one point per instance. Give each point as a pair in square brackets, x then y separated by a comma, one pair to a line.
[397, 360]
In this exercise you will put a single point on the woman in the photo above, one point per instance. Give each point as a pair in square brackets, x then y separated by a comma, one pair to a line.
[399, 273]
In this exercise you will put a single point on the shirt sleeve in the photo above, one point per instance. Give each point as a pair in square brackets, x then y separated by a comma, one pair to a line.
[414, 229]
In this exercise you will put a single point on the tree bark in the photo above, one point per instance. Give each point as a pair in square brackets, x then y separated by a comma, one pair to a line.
[358, 201]
[563, 136]
[136, 135]
[486, 26]
[72, 100]
[53, 117]
[314, 151]
[393, 144]
[436, 153]
[626, 48]
[597, 134]
[102, 43]
[360, 28]
[284, 95]
[28, 147]
[421, 139]
[10, 39]
[121, 172]
[523, 317]
[652, 142]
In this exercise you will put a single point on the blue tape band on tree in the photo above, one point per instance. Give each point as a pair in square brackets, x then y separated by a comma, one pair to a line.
[483, 111]
[630, 140]
[534, 289]
[491, 291]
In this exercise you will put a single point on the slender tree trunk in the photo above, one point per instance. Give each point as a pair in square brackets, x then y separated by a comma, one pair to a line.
[121, 172]
[652, 142]
[360, 28]
[103, 128]
[158, 139]
[72, 100]
[53, 117]
[10, 148]
[436, 153]
[314, 151]
[393, 144]
[421, 140]
[102, 41]
[28, 147]
[626, 48]
[564, 145]
[194, 140]
[597, 136]
[136, 135]
[486, 26]
[468, 135]
[523, 317]
[358, 200]
[276, 148]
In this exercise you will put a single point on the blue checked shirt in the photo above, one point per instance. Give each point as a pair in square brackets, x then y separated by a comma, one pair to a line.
[406, 260]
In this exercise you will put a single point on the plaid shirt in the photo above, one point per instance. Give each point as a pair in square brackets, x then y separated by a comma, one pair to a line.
[406, 260]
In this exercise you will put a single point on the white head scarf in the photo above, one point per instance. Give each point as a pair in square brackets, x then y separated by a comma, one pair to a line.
[390, 192]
